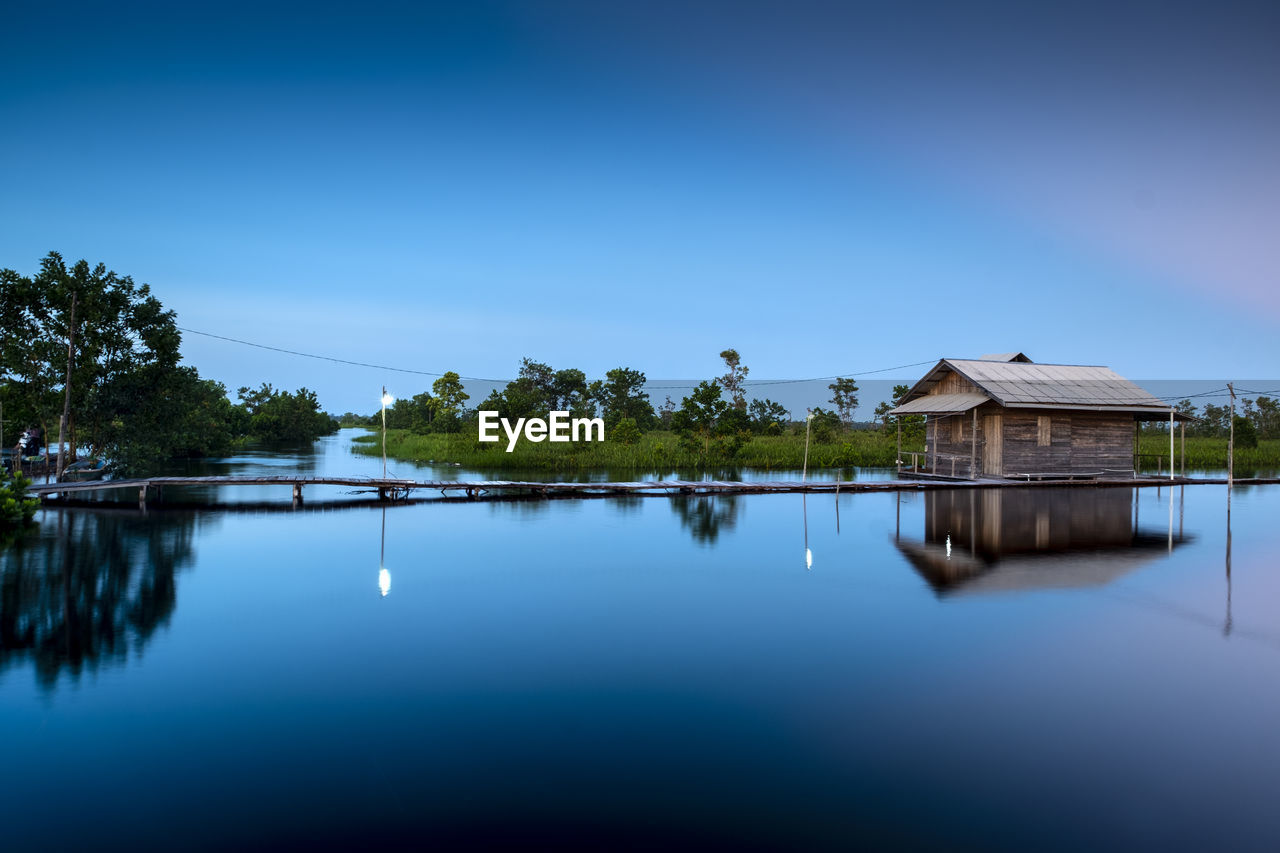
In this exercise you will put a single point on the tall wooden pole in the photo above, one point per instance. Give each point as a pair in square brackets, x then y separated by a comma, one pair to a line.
[804, 473]
[1172, 467]
[66, 403]
[384, 432]
[1231, 440]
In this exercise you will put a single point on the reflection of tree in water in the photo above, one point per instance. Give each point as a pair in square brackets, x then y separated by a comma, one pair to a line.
[705, 515]
[89, 589]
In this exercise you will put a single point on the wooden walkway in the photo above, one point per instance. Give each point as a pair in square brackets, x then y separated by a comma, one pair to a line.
[398, 489]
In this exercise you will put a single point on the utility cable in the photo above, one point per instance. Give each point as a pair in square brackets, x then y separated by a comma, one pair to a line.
[481, 379]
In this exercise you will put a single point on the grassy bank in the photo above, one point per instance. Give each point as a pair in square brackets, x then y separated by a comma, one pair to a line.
[1208, 453]
[654, 451]
[662, 451]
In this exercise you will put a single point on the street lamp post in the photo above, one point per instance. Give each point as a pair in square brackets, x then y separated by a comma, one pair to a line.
[807, 421]
[387, 400]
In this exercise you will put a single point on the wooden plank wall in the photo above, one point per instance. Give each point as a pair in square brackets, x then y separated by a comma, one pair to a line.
[1079, 442]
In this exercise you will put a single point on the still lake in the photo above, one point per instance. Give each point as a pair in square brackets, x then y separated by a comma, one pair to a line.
[1043, 668]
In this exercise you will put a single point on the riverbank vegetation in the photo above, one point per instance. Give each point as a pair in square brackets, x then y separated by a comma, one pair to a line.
[657, 450]
[94, 345]
[714, 426]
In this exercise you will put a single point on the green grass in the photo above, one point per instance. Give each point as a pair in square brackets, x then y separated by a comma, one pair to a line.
[661, 451]
[654, 451]
[1210, 453]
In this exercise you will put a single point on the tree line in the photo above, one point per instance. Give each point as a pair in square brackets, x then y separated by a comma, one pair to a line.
[88, 342]
[715, 419]
[1257, 419]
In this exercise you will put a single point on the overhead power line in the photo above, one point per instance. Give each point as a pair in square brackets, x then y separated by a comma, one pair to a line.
[330, 358]
[482, 379]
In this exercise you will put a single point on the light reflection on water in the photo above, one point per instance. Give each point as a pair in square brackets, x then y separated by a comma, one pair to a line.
[1086, 666]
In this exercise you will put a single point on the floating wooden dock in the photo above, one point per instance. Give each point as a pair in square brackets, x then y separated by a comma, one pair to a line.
[399, 489]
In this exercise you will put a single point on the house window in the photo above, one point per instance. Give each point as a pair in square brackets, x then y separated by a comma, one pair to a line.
[1042, 432]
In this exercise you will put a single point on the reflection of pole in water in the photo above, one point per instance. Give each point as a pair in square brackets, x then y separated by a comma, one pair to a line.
[1170, 521]
[808, 555]
[1226, 626]
[384, 576]
[837, 506]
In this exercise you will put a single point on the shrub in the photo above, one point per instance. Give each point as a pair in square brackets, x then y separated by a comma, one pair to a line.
[15, 506]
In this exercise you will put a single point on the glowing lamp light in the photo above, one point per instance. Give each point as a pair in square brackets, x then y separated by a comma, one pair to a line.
[388, 400]
[808, 559]
[384, 582]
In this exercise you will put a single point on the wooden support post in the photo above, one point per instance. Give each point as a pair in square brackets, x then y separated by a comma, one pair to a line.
[1171, 465]
[932, 423]
[973, 448]
[898, 459]
[1184, 448]
[297, 493]
[142, 496]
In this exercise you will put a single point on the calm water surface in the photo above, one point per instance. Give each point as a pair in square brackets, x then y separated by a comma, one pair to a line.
[1047, 669]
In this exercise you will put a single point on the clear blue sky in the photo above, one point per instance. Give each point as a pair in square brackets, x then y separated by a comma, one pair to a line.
[826, 187]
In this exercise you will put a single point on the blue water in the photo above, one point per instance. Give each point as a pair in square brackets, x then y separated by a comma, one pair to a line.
[645, 673]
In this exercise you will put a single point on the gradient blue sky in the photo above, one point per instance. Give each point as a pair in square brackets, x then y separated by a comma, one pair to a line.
[826, 187]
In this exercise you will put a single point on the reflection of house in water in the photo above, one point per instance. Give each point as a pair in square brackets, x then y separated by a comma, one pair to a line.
[993, 540]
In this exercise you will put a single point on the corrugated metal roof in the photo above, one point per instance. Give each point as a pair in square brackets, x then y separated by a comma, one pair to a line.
[1012, 383]
[937, 404]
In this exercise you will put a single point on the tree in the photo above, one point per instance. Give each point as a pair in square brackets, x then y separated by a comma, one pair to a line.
[120, 329]
[1246, 433]
[823, 424]
[912, 425]
[621, 395]
[625, 431]
[845, 398]
[734, 378]
[883, 409]
[176, 415]
[569, 393]
[451, 401]
[1213, 421]
[1267, 418]
[768, 417]
[698, 415]
[278, 416]
[665, 412]
[129, 398]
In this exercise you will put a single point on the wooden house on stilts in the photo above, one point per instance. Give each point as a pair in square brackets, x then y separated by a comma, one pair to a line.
[1003, 416]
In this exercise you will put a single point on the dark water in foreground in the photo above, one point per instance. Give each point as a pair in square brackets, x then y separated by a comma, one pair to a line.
[1043, 669]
